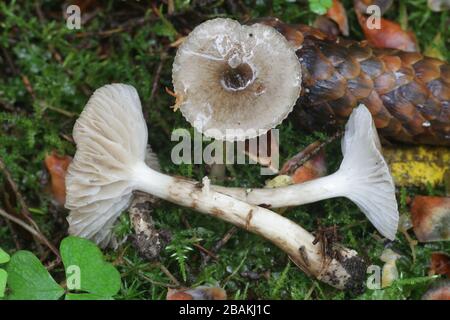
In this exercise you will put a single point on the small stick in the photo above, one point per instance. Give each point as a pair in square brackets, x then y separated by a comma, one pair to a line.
[31, 230]
[24, 208]
[14, 235]
[206, 251]
[157, 76]
[308, 154]
[168, 274]
[25, 211]
[157, 283]
[219, 244]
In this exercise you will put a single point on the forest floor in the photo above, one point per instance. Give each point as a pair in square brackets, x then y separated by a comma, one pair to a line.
[47, 74]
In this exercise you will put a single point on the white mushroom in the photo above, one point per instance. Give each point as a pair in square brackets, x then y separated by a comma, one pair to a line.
[234, 81]
[363, 177]
[111, 137]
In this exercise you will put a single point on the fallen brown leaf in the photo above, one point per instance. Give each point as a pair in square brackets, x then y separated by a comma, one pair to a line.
[389, 35]
[430, 216]
[440, 264]
[315, 167]
[57, 167]
[338, 14]
[199, 293]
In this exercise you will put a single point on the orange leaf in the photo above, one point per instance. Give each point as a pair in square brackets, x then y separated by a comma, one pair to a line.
[440, 264]
[57, 167]
[390, 35]
[338, 14]
[199, 293]
[314, 168]
[429, 216]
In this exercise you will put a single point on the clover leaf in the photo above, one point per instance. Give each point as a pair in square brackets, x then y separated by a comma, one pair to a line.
[86, 270]
[4, 258]
[88, 276]
[29, 280]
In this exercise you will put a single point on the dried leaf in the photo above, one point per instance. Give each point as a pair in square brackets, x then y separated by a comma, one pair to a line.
[431, 218]
[440, 264]
[312, 169]
[279, 181]
[389, 35]
[338, 14]
[199, 293]
[57, 167]
[315, 167]
[327, 26]
[418, 166]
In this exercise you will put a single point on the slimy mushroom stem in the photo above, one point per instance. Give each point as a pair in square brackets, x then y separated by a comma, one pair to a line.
[111, 138]
[363, 177]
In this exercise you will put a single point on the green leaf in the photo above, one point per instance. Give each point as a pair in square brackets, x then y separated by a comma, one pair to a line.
[95, 275]
[4, 257]
[3, 278]
[85, 296]
[320, 6]
[29, 280]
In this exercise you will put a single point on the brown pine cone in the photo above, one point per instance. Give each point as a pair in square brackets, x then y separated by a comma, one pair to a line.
[407, 93]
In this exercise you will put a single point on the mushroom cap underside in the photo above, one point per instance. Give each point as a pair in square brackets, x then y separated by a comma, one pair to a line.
[236, 81]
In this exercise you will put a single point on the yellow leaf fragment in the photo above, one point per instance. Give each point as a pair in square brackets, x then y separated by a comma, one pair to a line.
[418, 165]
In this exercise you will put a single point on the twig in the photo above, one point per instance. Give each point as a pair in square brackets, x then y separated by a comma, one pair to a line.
[7, 106]
[216, 248]
[157, 283]
[168, 274]
[14, 235]
[31, 230]
[308, 154]
[59, 110]
[53, 264]
[23, 207]
[9, 61]
[206, 251]
[25, 211]
[24, 225]
[19, 222]
[157, 76]
[122, 28]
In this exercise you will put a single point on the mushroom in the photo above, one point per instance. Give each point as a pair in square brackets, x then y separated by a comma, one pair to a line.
[235, 82]
[363, 177]
[111, 138]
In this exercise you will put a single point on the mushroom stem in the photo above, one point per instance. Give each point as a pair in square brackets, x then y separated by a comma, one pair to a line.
[363, 177]
[111, 138]
[315, 190]
[346, 273]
